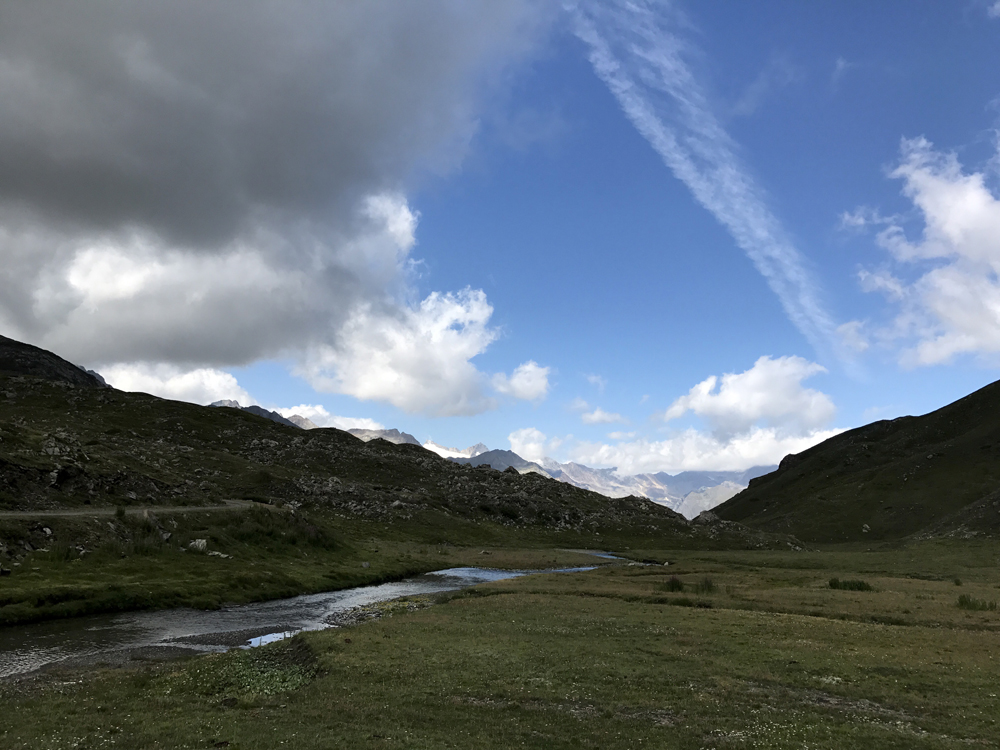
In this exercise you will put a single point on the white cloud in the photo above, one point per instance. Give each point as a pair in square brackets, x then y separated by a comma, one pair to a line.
[621, 435]
[852, 335]
[644, 64]
[529, 382]
[754, 417]
[198, 386]
[599, 416]
[954, 307]
[693, 450]
[531, 444]
[597, 381]
[770, 392]
[578, 404]
[319, 416]
[840, 68]
[882, 280]
[274, 224]
[777, 74]
[993, 11]
[414, 358]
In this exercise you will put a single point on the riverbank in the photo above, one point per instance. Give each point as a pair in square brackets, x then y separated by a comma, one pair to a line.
[116, 640]
[130, 562]
[716, 650]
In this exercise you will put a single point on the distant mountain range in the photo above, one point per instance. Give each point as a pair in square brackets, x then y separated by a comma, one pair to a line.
[392, 436]
[689, 493]
[293, 421]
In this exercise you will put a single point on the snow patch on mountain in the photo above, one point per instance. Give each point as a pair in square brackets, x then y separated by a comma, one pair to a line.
[445, 452]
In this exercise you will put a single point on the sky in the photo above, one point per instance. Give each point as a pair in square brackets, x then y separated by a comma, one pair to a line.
[657, 236]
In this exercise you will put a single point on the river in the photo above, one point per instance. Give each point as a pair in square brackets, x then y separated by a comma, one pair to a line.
[164, 634]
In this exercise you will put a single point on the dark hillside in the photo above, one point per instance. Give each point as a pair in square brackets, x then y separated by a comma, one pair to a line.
[112, 501]
[887, 480]
[17, 358]
[64, 447]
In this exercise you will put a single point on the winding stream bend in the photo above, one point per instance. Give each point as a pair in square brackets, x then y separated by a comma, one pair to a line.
[115, 639]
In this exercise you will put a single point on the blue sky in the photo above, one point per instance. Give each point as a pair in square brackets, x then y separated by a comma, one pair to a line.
[596, 209]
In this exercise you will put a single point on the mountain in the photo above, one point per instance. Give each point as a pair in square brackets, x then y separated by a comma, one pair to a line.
[688, 493]
[82, 448]
[25, 360]
[706, 498]
[261, 412]
[934, 474]
[305, 424]
[670, 490]
[502, 460]
[392, 436]
[444, 452]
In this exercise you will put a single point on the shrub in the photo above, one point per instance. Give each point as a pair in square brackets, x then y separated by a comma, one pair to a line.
[976, 605]
[674, 584]
[836, 583]
[705, 586]
[958, 581]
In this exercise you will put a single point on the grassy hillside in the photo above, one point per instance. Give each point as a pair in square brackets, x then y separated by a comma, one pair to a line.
[94, 483]
[932, 474]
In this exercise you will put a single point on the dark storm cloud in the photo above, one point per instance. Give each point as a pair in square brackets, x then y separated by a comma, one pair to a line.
[209, 183]
[191, 118]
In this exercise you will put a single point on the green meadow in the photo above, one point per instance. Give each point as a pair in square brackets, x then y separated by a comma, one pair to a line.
[740, 649]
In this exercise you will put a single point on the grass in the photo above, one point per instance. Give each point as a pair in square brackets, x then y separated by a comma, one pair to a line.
[854, 585]
[976, 605]
[598, 659]
[673, 584]
[127, 563]
[934, 474]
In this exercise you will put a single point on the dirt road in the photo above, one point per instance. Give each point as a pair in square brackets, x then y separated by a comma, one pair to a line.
[133, 511]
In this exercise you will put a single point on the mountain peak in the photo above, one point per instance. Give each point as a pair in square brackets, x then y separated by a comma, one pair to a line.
[393, 436]
[17, 358]
[446, 452]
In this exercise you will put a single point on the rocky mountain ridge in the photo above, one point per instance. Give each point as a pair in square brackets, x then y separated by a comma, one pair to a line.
[392, 436]
[17, 358]
[294, 421]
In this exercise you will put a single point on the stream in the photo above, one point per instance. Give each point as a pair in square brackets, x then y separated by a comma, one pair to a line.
[118, 638]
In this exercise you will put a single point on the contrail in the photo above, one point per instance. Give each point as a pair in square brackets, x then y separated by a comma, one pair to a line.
[642, 63]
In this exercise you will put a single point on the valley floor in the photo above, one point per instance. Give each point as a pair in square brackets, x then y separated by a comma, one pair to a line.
[715, 650]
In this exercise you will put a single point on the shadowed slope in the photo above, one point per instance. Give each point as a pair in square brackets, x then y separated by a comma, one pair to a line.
[26, 360]
[886, 480]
